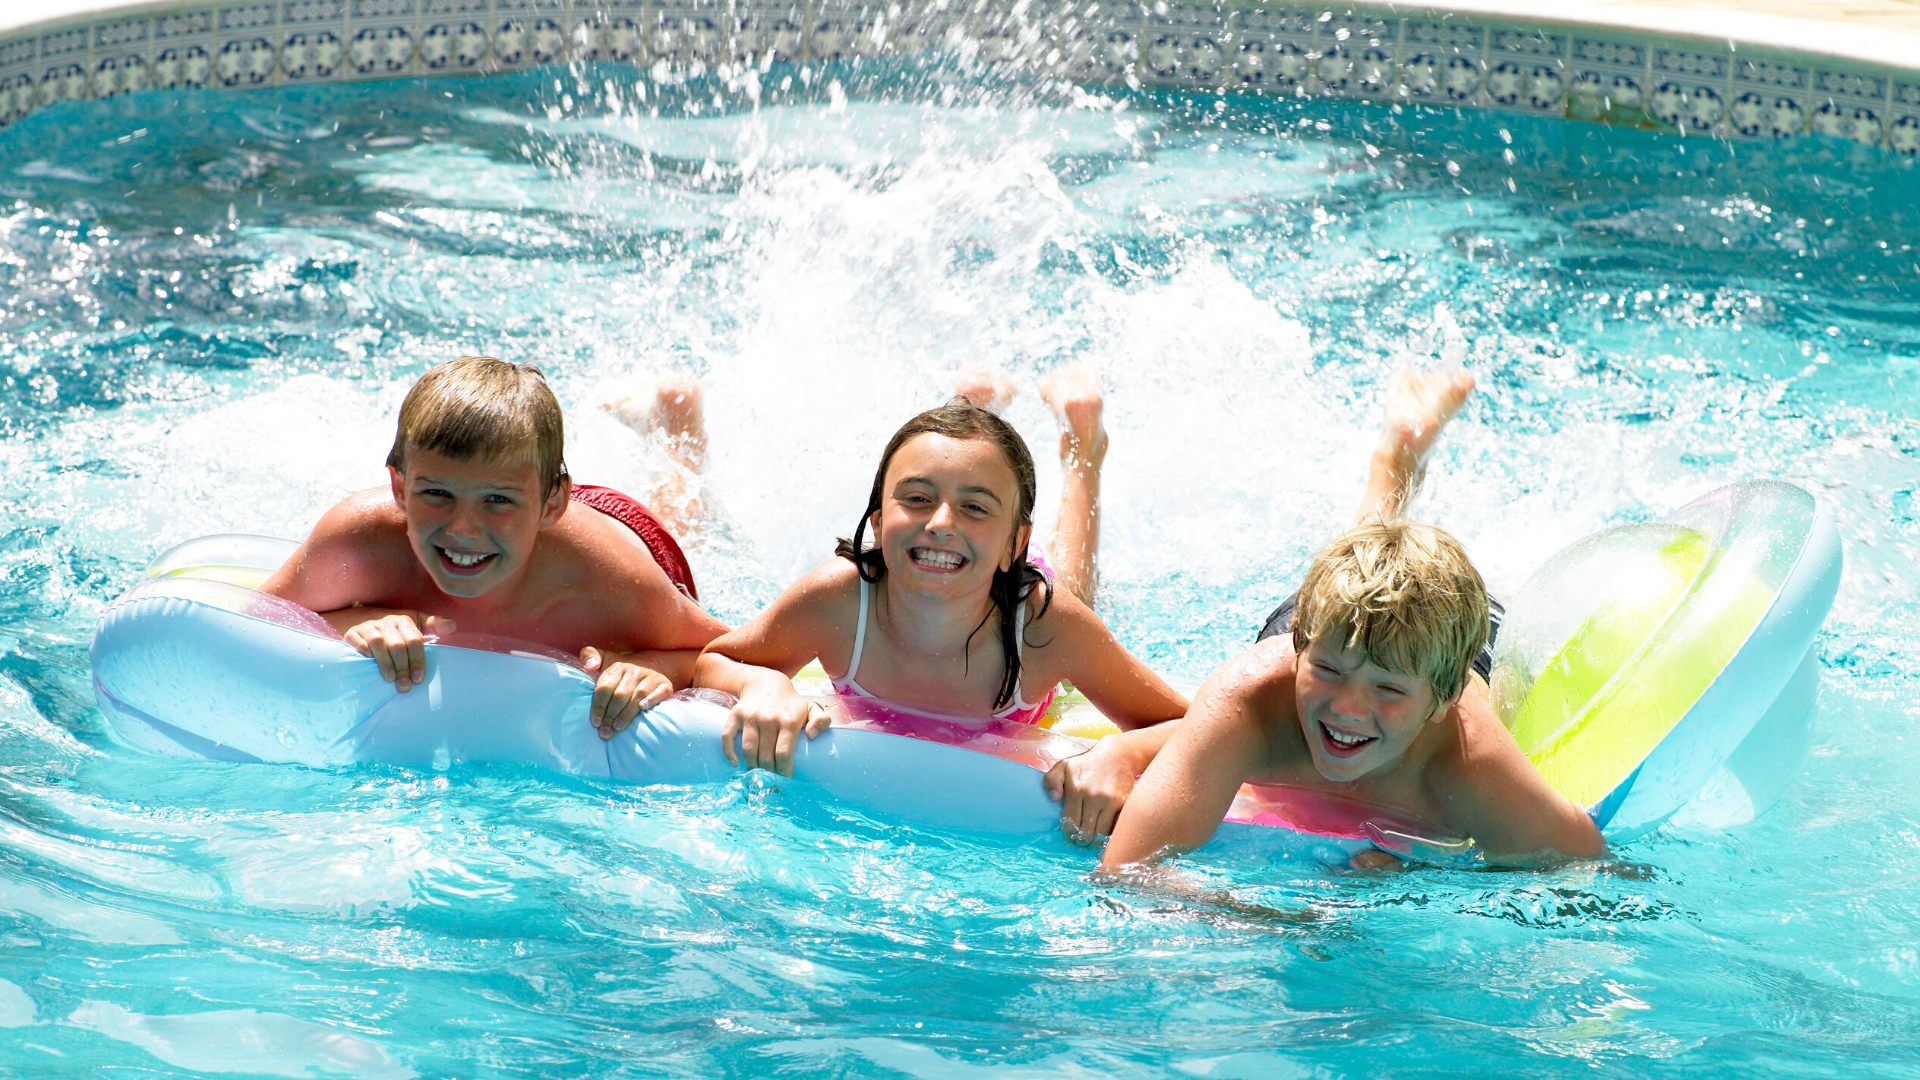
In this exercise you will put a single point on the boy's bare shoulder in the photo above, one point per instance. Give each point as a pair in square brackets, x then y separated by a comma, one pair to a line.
[1265, 671]
[357, 553]
[363, 514]
[1479, 740]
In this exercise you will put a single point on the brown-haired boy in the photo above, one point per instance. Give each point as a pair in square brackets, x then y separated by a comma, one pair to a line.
[481, 528]
[1373, 695]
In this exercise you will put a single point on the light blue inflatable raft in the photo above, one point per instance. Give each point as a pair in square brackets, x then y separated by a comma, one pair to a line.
[1633, 667]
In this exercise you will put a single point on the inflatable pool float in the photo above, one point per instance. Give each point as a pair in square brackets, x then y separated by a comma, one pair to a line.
[1633, 667]
[194, 662]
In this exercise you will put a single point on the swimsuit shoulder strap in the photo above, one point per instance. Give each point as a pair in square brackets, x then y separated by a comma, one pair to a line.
[859, 633]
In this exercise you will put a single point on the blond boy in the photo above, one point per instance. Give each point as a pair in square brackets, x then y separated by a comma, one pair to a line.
[1372, 696]
[481, 529]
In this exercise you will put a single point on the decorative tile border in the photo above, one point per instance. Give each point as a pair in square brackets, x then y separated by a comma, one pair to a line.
[1715, 89]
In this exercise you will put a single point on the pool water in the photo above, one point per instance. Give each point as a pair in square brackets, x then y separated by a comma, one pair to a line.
[210, 305]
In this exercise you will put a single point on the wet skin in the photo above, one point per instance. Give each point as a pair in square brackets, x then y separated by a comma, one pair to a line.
[476, 544]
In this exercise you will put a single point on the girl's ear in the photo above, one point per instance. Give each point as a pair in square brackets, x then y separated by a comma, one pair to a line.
[1019, 547]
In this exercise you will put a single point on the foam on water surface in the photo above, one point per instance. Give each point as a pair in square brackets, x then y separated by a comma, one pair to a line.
[1648, 319]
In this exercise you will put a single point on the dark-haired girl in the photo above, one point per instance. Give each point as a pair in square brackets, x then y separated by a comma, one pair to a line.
[940, 608]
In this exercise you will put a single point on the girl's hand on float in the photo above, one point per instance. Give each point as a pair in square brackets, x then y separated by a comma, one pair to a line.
[769, 728]
[1091, 788]
[622, 691]
[396, 643]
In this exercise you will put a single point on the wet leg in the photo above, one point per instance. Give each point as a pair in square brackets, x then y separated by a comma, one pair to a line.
[1418, 406]
[669, 409]
[988, 390]
[1075, 397]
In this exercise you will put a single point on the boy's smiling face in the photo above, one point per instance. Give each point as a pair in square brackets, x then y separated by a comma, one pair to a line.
[473, 523]
[1358, 717]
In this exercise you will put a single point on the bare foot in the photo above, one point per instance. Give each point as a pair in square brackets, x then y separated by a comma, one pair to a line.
[668, 408]
[1075, 397]
[985, 389]
[1419, 404]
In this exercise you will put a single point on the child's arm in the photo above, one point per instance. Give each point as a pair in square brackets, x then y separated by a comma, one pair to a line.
[1079, 647]
[629, 683]
[675, 629]
[1093, 786]
[347, 559]
[1494, 794]
[756, 663]
[1185, 793]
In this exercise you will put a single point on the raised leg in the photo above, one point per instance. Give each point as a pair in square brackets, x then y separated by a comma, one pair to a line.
[1075, 397]
[988, 390]
[668, 409]
[1418, 406]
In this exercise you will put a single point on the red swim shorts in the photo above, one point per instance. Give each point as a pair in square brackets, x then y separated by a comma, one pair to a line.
[628, 511]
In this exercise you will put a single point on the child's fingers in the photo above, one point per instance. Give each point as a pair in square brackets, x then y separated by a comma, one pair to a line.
[730, 731]
[590, 658]
[819, 719]
[416, 648]
[1056, 781]
[658, 690]
[750, 744]
[783, 749]
[626, 700]
[1070, 810]
[1109, 815]
[603, 689]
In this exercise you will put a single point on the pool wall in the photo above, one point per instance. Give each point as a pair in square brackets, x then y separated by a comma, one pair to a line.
[1692, 83]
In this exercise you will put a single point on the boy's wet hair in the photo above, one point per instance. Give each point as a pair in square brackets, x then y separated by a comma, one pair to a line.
[478, 406]
[962, 420]
[1401, 592]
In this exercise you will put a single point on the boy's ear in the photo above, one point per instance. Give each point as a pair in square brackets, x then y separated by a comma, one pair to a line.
[556, 503]
[399, 483]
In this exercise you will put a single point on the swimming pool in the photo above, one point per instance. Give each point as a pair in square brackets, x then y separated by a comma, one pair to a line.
[1649, 317]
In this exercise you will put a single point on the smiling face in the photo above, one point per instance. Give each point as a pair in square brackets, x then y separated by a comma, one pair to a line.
[473, 523]
[1358, 717]
[948, 515]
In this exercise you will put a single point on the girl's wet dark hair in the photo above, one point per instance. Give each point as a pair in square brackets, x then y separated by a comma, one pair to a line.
[962, 420]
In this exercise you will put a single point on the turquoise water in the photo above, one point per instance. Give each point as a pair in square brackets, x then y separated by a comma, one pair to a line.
[210, 305]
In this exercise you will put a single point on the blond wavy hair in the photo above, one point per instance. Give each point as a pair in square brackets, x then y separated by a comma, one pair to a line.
[478, 406]
[1402, 592]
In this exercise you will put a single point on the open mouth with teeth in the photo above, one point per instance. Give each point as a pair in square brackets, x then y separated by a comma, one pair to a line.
[937, 560]
[1344, 744]
[465, 563]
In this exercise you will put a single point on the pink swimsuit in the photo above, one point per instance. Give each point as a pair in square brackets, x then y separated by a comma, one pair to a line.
[1019, 710]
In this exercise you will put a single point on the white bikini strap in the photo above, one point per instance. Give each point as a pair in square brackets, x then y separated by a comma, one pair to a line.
[859, 634]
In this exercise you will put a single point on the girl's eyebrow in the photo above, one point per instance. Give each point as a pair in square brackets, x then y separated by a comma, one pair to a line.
[974, 489]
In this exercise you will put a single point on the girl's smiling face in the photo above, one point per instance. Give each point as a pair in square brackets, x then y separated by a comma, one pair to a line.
[948, 515]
